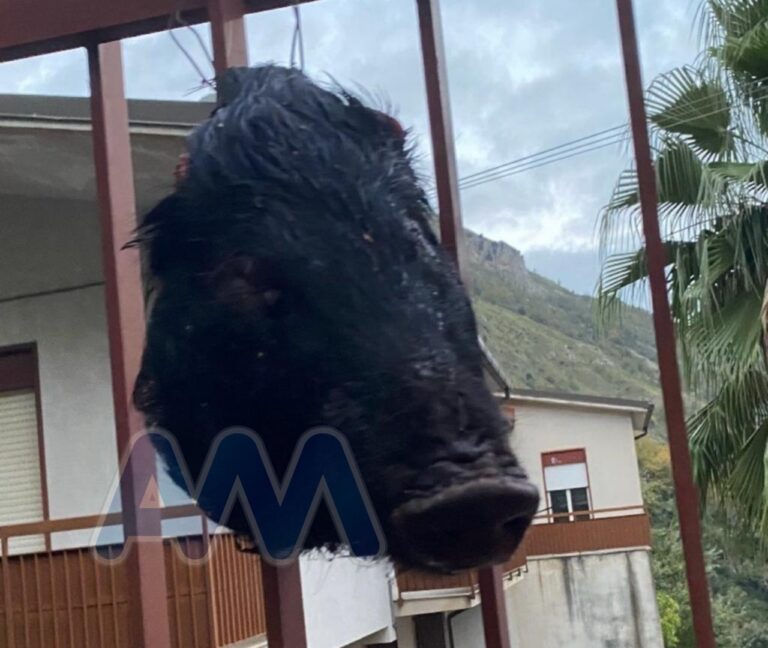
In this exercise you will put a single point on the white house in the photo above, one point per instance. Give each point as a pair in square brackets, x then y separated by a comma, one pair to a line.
[582, 577]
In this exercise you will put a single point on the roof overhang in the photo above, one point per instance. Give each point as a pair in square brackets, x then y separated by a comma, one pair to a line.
[46, 149]
[639, 411]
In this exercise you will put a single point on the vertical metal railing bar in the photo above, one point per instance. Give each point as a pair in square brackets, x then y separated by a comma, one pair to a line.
[24, 607]
[84, 595]
[39, 599]
[452, 238]
[682, 472]
[191, 585]
[176, 602]
[10, 620]
[68, 601]
[441, 126]
[242, 593]
[145, 563]
[99, 609]
[54, 600]
[284, 611]
[115, 615]
[213, 623]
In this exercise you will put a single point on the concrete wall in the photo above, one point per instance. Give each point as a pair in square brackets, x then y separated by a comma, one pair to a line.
[345, 600]
[46, 249]
[47, 246]
[607, 437]
[588, 601]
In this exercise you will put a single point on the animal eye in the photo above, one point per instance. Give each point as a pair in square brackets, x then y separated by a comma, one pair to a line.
[246, 285]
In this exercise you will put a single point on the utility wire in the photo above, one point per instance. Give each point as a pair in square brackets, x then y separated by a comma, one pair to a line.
[595, 141]
[530, 167]
[615, 130]
[298, 39]
[534, 160]
[176, 19]
[588, 139]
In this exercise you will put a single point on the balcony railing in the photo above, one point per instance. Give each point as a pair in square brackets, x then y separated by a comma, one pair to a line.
[596, 530]
[71, 599]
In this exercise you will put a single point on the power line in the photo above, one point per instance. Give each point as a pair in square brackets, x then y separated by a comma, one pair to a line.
[539, 160]
[533, 155]
[588, 143]
[530, 167]
[492, 170]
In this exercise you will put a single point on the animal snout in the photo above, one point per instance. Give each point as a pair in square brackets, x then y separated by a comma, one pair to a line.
[467, 525]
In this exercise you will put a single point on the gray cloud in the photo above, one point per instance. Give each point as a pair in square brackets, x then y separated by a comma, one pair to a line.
[524, 76]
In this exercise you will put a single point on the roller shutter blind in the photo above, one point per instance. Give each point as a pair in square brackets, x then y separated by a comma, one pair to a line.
[21, 492]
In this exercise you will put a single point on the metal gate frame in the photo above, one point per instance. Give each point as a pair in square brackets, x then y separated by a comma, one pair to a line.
[33, 27]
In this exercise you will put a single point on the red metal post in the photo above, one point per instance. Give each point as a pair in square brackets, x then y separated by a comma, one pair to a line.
[230, 47]
[494, 609]
[283, 602]
[682, 472]
[452, 238]
[283, 605]
[125, 321]
[443, 150]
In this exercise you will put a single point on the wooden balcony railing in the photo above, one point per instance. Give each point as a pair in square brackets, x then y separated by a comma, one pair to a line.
[72, 599]
[596, 530]
[606, 529]
[460, 583]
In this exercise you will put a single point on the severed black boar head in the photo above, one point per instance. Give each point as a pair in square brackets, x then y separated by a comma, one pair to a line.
[296, 282]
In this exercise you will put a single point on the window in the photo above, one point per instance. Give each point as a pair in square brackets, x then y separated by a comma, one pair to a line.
[567, 483]
[21, 472]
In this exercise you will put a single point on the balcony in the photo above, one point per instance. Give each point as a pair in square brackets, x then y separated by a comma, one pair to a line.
[72, 599]
[613, 529]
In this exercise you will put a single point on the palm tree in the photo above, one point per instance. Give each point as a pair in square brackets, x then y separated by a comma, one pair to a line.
[710, 138]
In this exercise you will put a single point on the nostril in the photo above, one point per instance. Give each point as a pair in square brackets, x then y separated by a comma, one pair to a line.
[516, 526]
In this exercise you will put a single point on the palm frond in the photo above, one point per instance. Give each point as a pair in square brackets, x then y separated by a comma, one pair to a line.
[686, 102]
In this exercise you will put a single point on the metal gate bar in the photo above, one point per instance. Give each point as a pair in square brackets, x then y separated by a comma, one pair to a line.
[125, 328]
[682, 472]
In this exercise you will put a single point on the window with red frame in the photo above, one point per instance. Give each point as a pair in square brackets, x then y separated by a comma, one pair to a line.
[566, 480]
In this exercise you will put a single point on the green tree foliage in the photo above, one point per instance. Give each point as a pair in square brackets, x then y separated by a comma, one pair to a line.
[710, 135]
[737, 573]
[669, 614]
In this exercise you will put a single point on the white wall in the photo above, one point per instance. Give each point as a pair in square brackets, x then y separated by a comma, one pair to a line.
[607, 437]
[345, 599]
[78, 428]
[48, 248]
[590, 601]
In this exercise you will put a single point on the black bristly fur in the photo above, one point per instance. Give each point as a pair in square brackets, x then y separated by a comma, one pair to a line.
[297, 282]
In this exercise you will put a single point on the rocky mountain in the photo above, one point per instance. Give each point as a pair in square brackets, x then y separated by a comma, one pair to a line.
[545, 336]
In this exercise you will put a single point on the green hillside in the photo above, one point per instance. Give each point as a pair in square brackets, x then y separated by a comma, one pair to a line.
[544, 337]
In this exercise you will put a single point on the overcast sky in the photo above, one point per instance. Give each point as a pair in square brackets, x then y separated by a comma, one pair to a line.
[524, 75]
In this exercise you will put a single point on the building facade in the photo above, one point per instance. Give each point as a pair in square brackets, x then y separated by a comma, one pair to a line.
[582, 577]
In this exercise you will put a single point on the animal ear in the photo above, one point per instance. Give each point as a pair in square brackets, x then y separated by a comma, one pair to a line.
[394, 126]
[248, 285]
